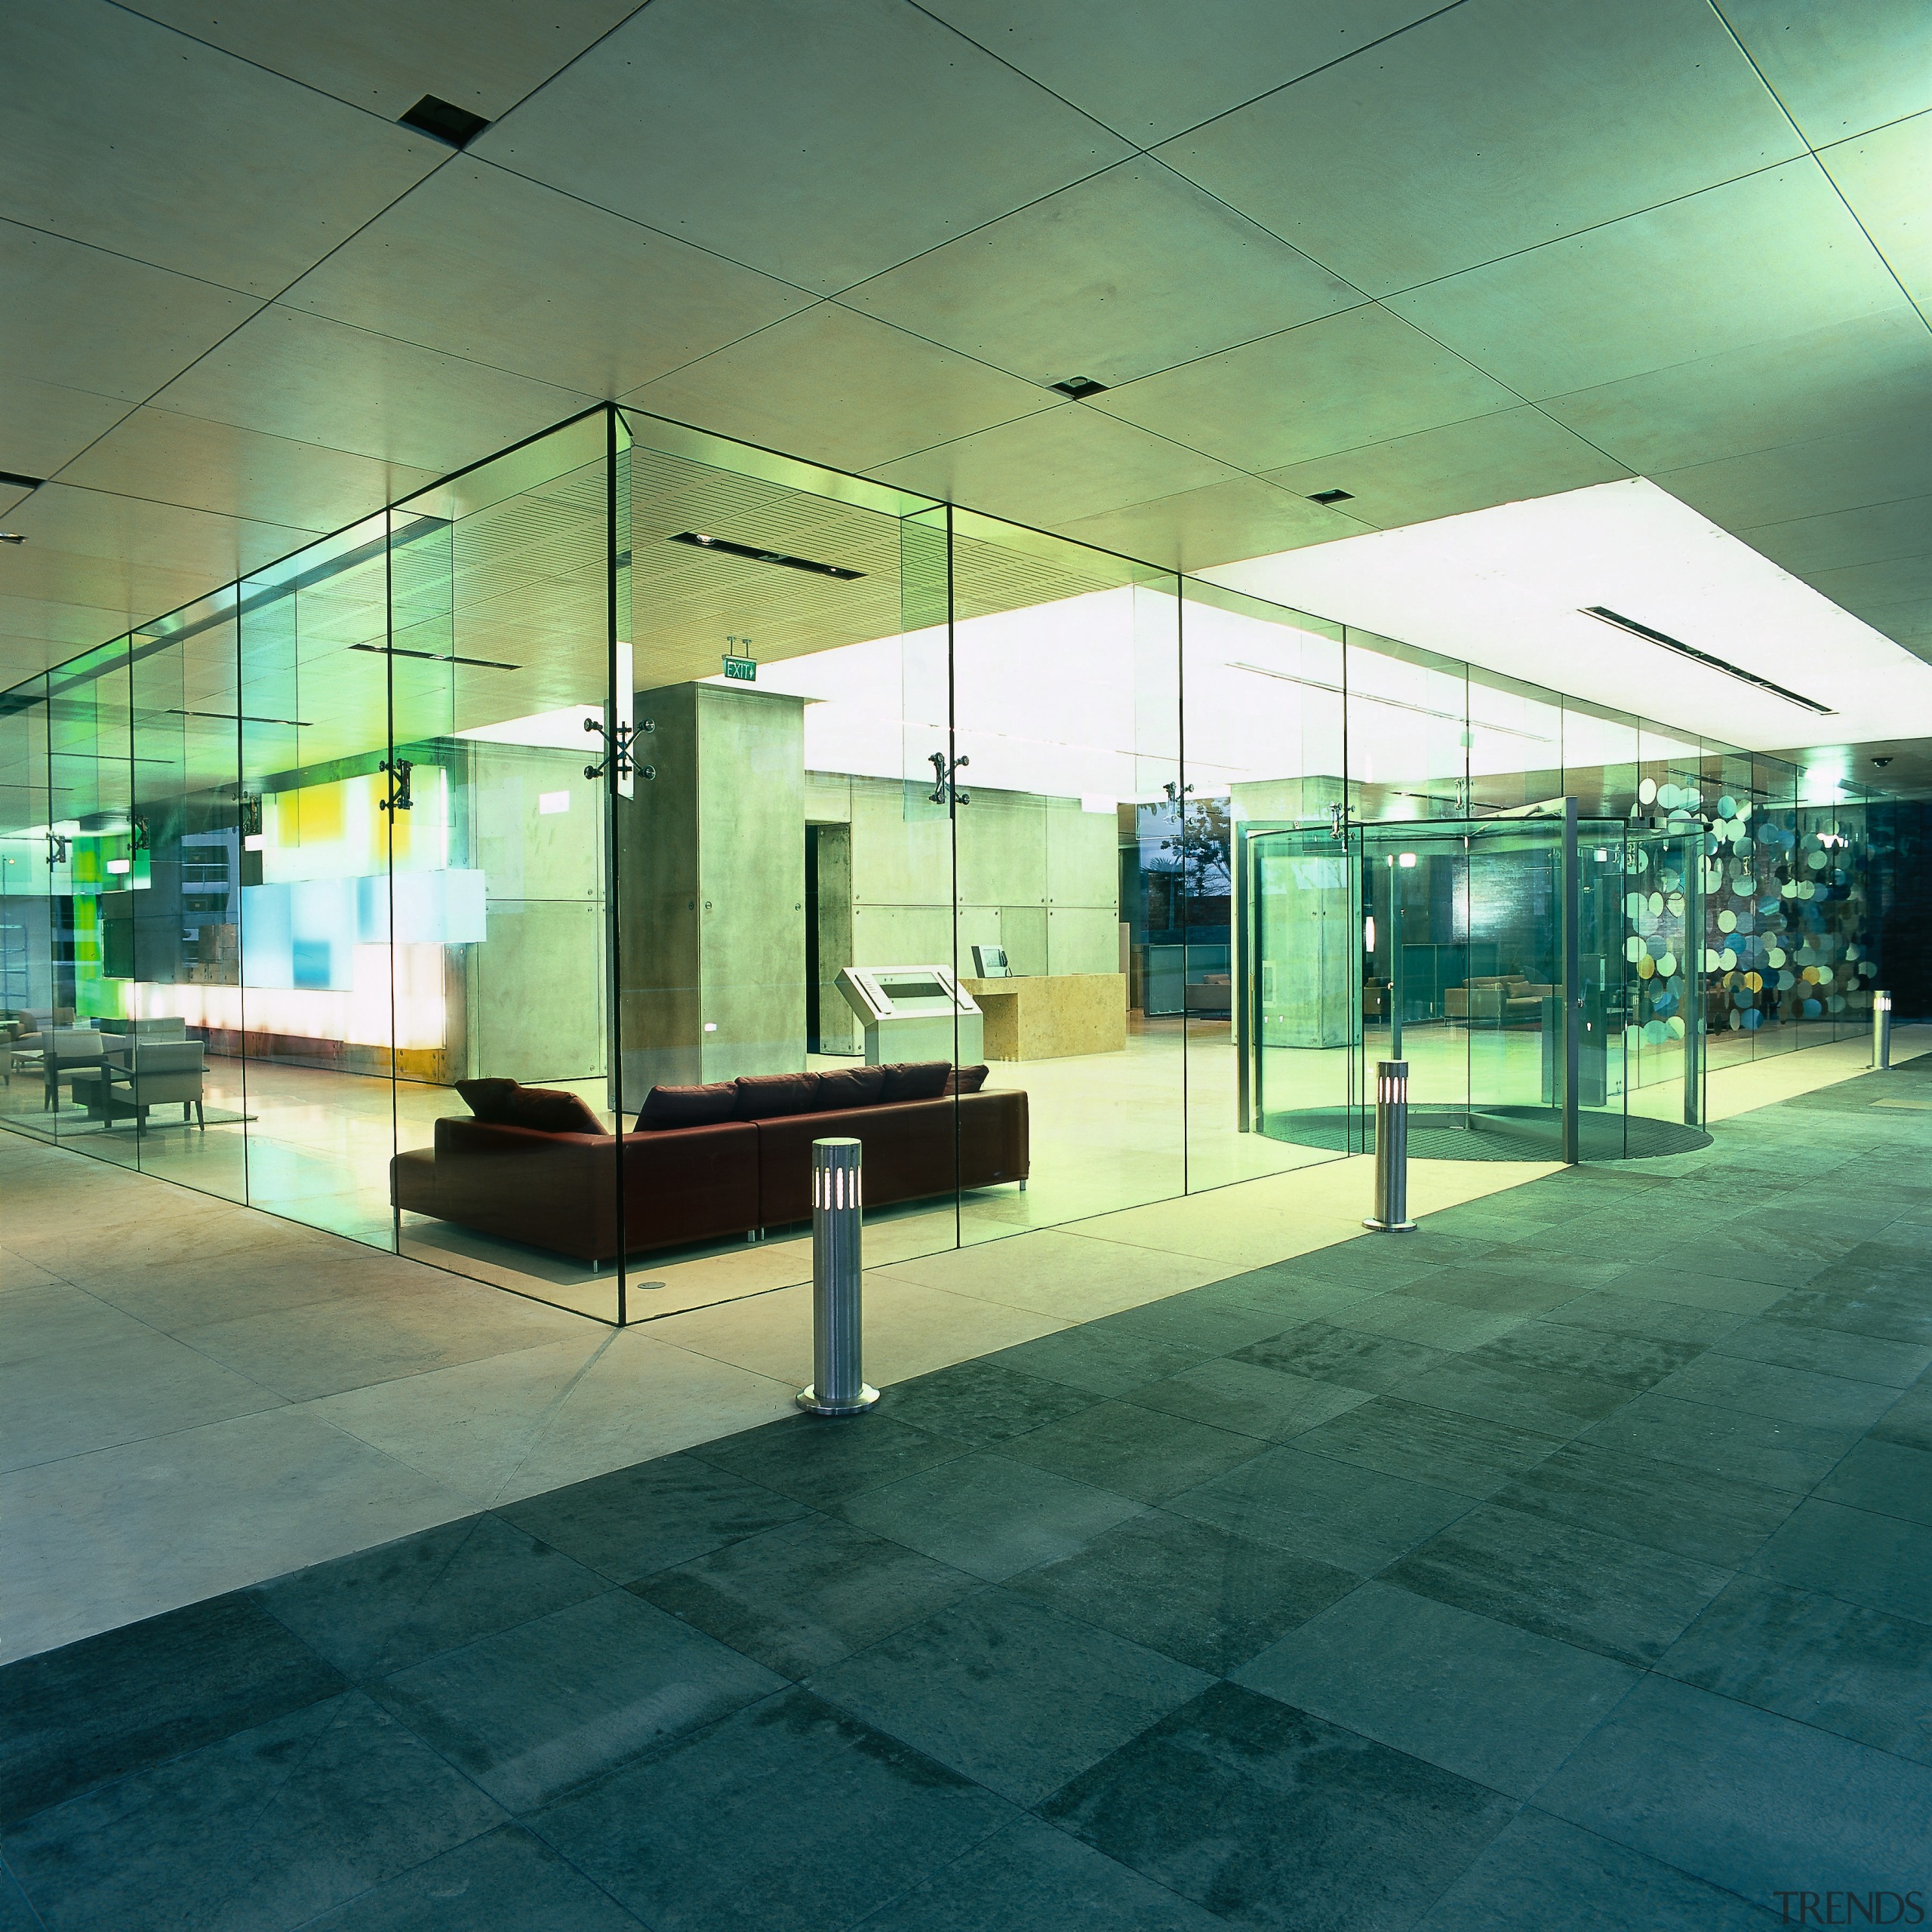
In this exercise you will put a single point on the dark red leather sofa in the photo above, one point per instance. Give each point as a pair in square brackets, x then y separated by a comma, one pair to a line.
[557, 1190]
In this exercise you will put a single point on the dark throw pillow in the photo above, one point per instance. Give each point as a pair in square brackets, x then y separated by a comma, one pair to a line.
[771, 1095]
[967, 1080]
[487, 1099]
[543, 1109]
[688, 1107]
[851, 1086]
[916, 1080]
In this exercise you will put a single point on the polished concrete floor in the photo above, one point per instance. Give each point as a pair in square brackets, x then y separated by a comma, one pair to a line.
[1566, 1564]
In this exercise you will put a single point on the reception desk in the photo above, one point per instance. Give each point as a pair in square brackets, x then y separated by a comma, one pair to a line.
[1052, 1016]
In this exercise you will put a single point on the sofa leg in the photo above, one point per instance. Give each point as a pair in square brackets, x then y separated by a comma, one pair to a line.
[1022, 1187]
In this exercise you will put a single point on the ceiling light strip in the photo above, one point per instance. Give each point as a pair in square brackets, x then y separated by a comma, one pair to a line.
[752, 554]
[434, 657]
[1644, 630]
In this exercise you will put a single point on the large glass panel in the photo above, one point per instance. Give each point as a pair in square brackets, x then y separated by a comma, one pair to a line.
[29, 848]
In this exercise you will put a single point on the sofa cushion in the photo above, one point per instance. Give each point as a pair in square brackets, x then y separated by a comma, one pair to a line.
[851, 1087]
[916, 1080]
[772, 1095]
[688, 1107]
[966, 1080]
[542, 1109]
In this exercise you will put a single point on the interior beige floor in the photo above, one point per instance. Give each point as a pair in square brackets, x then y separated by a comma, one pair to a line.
[194, 1396]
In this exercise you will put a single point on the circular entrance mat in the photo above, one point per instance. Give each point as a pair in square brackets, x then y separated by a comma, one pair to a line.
[1490, 1133]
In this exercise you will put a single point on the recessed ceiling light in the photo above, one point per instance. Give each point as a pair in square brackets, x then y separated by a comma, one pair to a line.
[1332, 496]
[1703, 657]
[445, 121]
[1079, 387]
[1881, 762]
[752, 554]
[11, 536]
[19, 482]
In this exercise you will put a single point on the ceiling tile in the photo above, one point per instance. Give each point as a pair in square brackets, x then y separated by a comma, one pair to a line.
[317, 381]
[1468, 137]
[1471, 465]
[215, 466]
[90, 320]
[1808, 478]
[820, 140]
[1149, 68]
[1348, 379]
[838, 387]
[177, 154]
[43, 426]
[87, 539]
[1840, 70]
[1746, 262]
[1884, 176]
[1048, 469]
[484, 55]
[1120, 274]
[1875, 534]
[1879, 586]
[36, 632]
[1222, 523]
[1818, 381]
[490, 266]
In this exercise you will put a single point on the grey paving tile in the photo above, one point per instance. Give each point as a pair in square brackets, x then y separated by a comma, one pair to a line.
[1324, 1352]
[530, 1713]
[1610, 1313]
[1729, 1260]
[802, 1596]
[1882, 1562]
[786, 1815]
[1721, 1294]
[1541, 1874]
[1890, 1478]
[16, 1915]
[1501, 1388]
[115, 1703]
[506, 1881]
[1828, 1351]
[1436, 1324]
[1644, 1500]
[652, 1516]
[1270, 1816]
[1111, 1365]
[1142, 1453]
[1599, 1592]
[1631, 1363]
[1030, 1876]
[1487, 1700]
[819, 1463]
[1200, 1594]
[1516, 1290]
[1858, 1306]
[266, 1828]
[1790, 1395]
[1746, 1800]
[1464, 1453]
[979, 1402]
[1815, 1658]
[1293, 1298]
[1203, 1318]
[1740, 1447]
[987, 1516]
[1314, 1506]
[1909, 1419]
[1008, 1692]
[386, 1608]
[1264, 1402]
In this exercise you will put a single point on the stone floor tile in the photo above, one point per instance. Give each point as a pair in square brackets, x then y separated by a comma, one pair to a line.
[987, 1516]
[1789, 1394]
[1272, 1817]
[1196, 1592]
[1009, 1692]
[384, 1609]
[1463, 1453]
[1609, 1311]
[1325, 1353]
[1629, 1362]
[1501, 1388]
[1889, 1478]
[1828, 1351]
[530, 1713]
[1144, 1453]
[799, 1597]
[1216, 1324]
[1725, 1294]
[1110, 1364]
[1436, 1324]
[1740, 1447]
[1494, 1703]
[818, 1462]
[979, 1402]
[651, 1517]
[1882, 1562]
[785, 1815]
[1268, 1403]
[1909, 1419]
[1598, 1593]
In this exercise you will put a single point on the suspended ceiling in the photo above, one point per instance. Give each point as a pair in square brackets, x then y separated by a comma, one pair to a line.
[1441, 257]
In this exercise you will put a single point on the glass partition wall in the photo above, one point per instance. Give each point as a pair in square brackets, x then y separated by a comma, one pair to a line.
[500, 881]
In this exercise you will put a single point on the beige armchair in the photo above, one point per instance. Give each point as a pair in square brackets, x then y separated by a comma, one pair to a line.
[143, 1073]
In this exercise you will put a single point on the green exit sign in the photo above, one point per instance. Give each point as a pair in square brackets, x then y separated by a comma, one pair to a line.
[745, 669]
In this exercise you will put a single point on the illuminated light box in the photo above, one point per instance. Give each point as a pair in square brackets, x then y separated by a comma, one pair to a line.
[300, 934]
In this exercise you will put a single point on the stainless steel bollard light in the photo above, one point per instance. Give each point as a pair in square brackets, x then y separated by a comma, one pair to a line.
[1881, 1032]
[1392, 1149]
[838, 1386]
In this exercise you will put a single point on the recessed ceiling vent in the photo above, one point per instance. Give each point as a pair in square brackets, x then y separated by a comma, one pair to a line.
[12, 481]
[752, 554]
[1326, 496]
[1703, 657]
[1079, 387]
[444, 120]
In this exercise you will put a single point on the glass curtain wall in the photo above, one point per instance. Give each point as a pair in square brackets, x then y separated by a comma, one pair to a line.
[520, 877]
